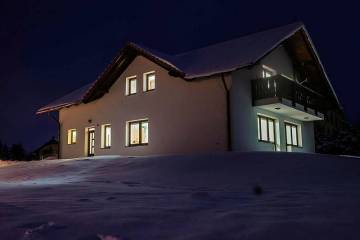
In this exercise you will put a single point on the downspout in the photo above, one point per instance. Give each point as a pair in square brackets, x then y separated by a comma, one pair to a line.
[228, 112]
[59, 132]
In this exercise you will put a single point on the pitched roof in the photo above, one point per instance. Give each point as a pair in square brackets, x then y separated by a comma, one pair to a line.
[73, 98]
[210, 60]
[233, 54]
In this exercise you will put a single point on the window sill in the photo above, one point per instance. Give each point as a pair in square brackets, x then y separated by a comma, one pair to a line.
[105, 148]
[137, 145]
[150, 90]
[297, 146]
[263, 141]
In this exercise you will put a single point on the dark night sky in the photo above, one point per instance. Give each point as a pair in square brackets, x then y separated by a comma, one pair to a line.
[48, 48]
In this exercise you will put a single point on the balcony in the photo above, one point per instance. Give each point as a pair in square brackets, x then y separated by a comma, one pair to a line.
[281, 95]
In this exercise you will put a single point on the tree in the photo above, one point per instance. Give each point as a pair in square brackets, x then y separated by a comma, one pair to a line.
[1, 151]
[5, 152]
[346, 140]
[17, 152]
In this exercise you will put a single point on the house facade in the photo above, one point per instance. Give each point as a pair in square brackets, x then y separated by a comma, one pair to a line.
[261, 92]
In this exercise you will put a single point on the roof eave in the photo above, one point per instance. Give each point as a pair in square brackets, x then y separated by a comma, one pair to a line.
[54, 108]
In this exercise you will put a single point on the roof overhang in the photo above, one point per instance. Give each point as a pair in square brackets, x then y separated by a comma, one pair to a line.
[128, 53]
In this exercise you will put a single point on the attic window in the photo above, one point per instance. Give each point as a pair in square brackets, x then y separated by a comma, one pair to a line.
[149, 81]
[267, 72]
[131, 85]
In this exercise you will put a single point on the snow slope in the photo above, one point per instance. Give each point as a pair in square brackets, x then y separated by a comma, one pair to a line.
[305, 196]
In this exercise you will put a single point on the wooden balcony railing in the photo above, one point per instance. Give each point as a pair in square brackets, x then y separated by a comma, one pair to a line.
[281, 87]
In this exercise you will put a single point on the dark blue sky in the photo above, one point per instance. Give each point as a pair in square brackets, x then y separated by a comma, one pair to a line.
[48, 48]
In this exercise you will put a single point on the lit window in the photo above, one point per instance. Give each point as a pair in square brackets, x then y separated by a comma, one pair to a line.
[106, 136]
[267, 72]
[131, 87]
[292, 135]
[138, 132]
[266, 129]
[71, 136]
[149, 81]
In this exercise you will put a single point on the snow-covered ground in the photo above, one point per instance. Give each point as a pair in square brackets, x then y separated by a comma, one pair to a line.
[305, 196]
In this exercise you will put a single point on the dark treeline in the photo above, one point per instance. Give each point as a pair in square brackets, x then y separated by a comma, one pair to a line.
[13, 152]
[344, 141]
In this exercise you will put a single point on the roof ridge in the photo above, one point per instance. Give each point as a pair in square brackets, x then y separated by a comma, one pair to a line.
[300, 23]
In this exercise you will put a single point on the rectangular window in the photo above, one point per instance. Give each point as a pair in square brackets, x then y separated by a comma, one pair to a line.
[71, 136]
[138, 133]
[266, 129]
[292, 134]
[106, 136]
[149, 81]
[131, 85]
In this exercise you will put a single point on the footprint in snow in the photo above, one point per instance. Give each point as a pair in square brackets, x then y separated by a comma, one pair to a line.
[201, 195]
[131, 184]
[100, 237]
[84, 200]
[35, 230]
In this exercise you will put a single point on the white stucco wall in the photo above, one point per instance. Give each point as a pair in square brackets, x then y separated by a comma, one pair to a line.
[184, 117]
[244, 115]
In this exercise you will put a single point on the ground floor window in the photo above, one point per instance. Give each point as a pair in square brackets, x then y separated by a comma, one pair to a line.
[266, 129]
[292, 134]
[138, 132]
[72, 136]
[106, 136]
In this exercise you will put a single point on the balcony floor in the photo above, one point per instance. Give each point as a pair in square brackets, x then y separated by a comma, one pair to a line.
[285, 107]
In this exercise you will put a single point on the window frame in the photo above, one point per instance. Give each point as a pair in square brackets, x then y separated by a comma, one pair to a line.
[259, 117]
[104, 143]
[146, 81]
[70, 136]
[128, 85]
[265, 69]
[140, 122]
[291, 125]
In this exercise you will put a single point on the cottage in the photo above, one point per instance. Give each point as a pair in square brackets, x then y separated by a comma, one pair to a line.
[261, 92]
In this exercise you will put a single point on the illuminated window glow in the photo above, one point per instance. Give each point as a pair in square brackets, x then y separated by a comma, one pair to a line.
[149, 81]
[266, 129]
[138, 132]
[71, 136]
[292, 134]
[106, 136]
[131, 85]
[267, 72]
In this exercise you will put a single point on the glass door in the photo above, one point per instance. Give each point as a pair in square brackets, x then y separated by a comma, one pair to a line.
[91, 141]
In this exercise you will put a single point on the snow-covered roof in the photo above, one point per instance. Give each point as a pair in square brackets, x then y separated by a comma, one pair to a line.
[75, 97]
[210, 60]
[233, 54]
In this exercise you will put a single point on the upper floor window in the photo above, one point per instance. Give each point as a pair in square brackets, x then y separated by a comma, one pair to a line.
[149, 81]
[71, 136]
[138, 132]
[266, 129]
[267, 72]
[131, 85]
[106, 136]
[292, 134]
